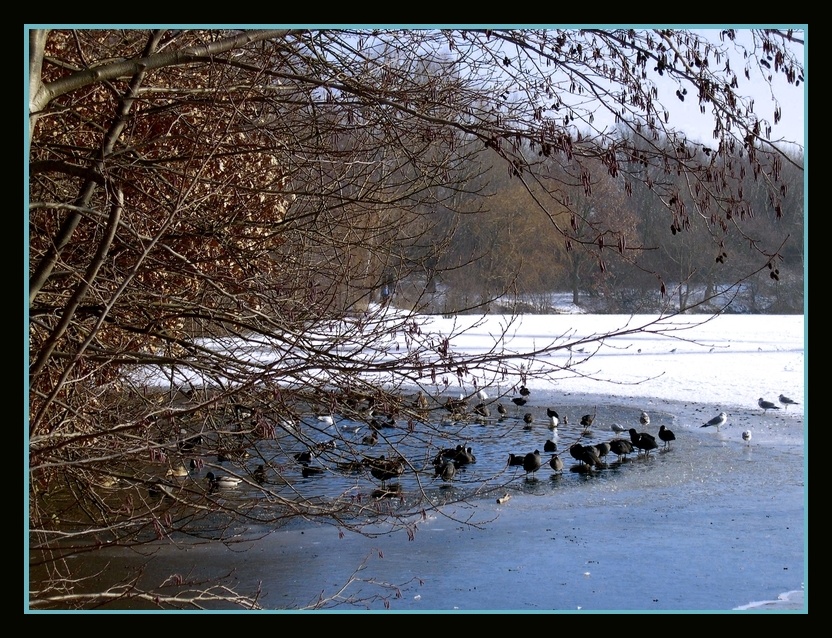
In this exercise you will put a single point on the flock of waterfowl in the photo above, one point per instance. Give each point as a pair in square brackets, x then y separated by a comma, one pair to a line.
[447, 462]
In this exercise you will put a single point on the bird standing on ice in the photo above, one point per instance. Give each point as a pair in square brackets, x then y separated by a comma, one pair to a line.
[666, 435]
[746, 436]
[766, 405]
[717, 422]
[786, 401]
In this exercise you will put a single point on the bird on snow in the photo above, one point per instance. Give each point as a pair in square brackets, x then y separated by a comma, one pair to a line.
[716, 422]
[766, 405]
[786, 401]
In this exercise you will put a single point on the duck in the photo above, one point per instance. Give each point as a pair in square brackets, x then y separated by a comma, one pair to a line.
[384, 469]
[586, 421]
[482, 410]
[621, 447]
[308, 471]
[371, 438]
[501, 410]
[643, 441]
[177, 471]
[259, 474]
[519, 401]
[602, 449]
[515, 459]
[585, 454]
[304, 458]
[550, 446]
[524, 391]
[446, 471]
[222, 481]
[528, 419]
[554, 419]
[532, 462]
[556, 463]
[666, 435]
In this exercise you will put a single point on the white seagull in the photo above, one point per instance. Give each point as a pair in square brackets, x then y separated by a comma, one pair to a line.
[746, 436]
[716, 422]
[766, 405]
[618, 429]
[786, 401]
[644, 419]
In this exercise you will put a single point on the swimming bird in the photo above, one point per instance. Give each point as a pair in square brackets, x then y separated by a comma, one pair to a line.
[371, 438]
[528, 419]
[178, 471]
[446, 471]
[643, 441]
[666, 435]
[644, 418]
[224, 482]
[501, 409]
[556, 463]
[766, 405]
[384, 469]
[308, 471]
[532, 462]
[746, 436]
[786, 401]
[618, 429]
[304, 458]
[550, 446]
[187, 443]
[717, 422]
[621, 447]
[587, 419]
[259, 474]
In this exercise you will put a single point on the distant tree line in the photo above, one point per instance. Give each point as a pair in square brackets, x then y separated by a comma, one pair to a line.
[510, 245]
